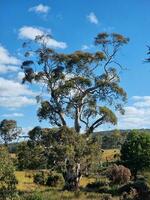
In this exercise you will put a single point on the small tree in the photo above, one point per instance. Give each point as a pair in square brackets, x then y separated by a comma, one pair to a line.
[9, 130]
[62, 150]
[31, 156]
[7, 176]
[135, 152]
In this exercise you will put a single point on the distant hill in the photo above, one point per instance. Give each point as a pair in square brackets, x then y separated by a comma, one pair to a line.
[122, 131]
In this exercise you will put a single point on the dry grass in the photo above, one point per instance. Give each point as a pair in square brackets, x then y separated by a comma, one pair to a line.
[25, 181]
[25, 178]
[108, 154]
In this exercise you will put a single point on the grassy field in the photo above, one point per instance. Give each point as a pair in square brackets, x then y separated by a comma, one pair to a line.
[25, 181]
[25, 178]
[55, 194]
[27, 187]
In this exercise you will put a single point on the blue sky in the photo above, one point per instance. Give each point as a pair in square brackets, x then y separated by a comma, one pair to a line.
[74, 24]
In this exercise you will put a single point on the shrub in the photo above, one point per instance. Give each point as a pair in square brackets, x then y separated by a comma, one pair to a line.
[113, 190]
[55, 179]
[141, 187]
[98, 186]
[39, 178]
[118, 174]
[98, 183]
[132, 195]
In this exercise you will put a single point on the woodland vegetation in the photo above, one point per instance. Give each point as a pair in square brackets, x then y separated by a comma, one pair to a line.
[70, 161]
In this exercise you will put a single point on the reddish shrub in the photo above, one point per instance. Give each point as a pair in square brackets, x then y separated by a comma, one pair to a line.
[118, 174]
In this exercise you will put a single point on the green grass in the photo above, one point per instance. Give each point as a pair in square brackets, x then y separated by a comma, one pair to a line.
[146, 174]
[55, 194]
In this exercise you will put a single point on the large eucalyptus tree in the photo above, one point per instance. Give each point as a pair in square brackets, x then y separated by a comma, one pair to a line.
[81, 86]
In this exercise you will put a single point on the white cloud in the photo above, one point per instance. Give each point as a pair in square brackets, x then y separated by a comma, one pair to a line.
[15, 95]
[25, 130]
[16, 102]
[6, 58]
[12, 88]
[44, 9]
[85, 47]
[20, 76]
[8, 68]
[141, 101]
[8, 63]
[13, 115]
[29, 32]
[93, 18]
[137, 115]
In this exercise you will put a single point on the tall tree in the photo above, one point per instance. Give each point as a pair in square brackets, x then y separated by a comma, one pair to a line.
[82, 86]
[9, 130]
[7, 176]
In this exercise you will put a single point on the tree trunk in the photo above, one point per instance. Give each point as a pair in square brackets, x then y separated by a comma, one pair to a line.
[76, 122]
[134, 172]
[72, 176]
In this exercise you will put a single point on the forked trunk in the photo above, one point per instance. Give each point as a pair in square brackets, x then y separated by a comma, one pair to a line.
[72, 176]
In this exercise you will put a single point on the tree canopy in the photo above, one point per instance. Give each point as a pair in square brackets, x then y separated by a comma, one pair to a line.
[81, 86]
[9, 130]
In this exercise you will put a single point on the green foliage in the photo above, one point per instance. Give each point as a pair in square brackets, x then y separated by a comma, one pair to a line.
[55, 179]
[31, 156]
[113, 140]
[45, 146]
[49, 178]
[39, 178]
[9, 130]
[98, 186]
[135, 152]
[7, 177]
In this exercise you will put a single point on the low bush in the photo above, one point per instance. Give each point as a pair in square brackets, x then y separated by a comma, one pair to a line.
[141, 187]
[118, 174]
[99, 186]
[113, 190]
[132, 195]
[39, 178]
[55, 179]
